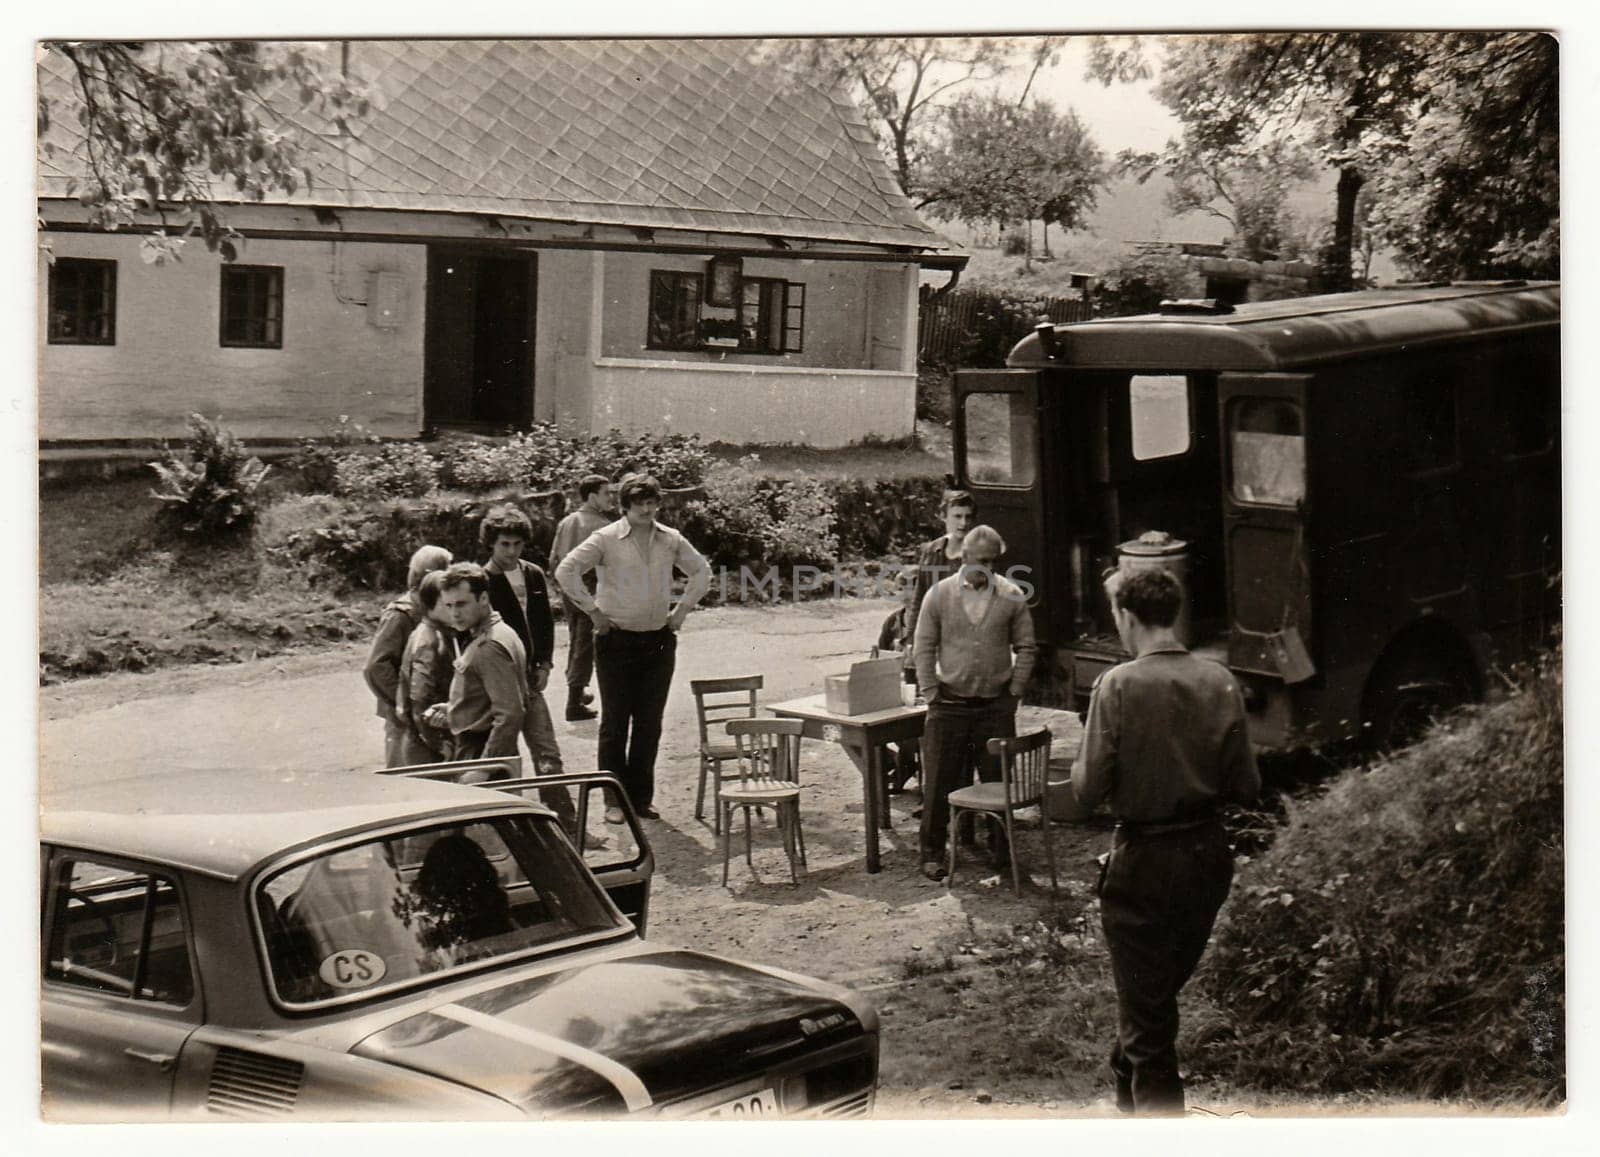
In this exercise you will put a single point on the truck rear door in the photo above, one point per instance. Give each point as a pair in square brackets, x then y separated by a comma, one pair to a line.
[997, 458]
[1265, 506]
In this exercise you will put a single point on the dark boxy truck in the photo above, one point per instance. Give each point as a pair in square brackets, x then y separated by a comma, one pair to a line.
[1362, 491]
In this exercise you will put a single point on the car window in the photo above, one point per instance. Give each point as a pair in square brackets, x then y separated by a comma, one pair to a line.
[363, 918]
[118, 930]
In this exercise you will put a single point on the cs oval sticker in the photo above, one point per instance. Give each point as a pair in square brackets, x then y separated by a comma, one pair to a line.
[352, 968]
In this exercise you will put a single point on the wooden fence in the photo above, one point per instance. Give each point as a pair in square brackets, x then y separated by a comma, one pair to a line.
[980, 324]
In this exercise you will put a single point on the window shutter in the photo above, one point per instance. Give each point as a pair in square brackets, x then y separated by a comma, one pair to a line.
[794, 317]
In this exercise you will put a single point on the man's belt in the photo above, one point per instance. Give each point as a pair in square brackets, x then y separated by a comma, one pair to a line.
[1166, 827]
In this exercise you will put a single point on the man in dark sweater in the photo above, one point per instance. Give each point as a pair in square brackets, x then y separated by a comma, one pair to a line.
[1166, 742]
[974, 653]
[519, 595]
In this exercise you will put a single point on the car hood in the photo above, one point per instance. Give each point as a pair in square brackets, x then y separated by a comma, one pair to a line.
[616, 1035]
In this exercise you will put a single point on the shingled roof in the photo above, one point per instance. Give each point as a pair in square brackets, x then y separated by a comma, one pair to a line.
[681, 134]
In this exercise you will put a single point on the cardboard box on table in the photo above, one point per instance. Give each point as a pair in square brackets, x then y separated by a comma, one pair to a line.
[870, 685]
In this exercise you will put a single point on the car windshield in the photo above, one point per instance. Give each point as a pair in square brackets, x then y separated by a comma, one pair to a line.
[361, 918]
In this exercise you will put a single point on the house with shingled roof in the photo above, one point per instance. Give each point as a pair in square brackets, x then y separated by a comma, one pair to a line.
[661, 235]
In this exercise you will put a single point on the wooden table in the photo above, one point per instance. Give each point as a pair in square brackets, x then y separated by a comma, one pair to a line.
[862, 737]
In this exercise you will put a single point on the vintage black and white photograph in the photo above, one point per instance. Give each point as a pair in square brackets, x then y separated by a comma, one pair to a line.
[927, 575]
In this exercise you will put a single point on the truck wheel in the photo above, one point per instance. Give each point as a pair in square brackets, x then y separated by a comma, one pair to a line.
[1408, 692]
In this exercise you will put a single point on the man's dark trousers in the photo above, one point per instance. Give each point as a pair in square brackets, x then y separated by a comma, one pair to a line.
[954, 741]
[580, 648]
[634, 669]
[1158, 900]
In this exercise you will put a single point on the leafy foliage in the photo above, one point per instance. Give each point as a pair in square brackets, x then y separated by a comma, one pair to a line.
[745, 519]
[1247, 189]
[1477, 192]
[189, 124]
[902, 84]
[545, 458]
[997, 160]
[1141, 282]
[209, 488]
[398, 470]
[316, 463]
[1405, 930]
[1458, 130]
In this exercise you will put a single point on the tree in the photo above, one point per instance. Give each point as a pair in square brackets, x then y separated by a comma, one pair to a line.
[1348, 95]
[1459, 132]
[172, 129]
[1248, 190]
[1477, 191]
[901, 83]
[998, 161]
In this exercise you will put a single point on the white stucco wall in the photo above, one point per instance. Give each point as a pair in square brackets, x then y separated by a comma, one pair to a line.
[564, 337]
[168, 359]
[829, 394]
[727, 403]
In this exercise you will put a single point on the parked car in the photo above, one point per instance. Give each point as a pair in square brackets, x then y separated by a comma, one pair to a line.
[351, 946]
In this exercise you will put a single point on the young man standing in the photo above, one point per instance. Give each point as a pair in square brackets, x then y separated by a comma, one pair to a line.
[489, 694]
[974, 652]
[935, 560]
[382, 670]
[595, 510]
[636, 630]
[426, 669]
[519, 595]
[1166, 740]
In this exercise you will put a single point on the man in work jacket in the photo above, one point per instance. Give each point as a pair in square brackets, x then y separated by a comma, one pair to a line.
[1165, 740]
[382, 670]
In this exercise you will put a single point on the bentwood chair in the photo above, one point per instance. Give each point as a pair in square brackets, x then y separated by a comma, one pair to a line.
[715, 702]
[769, 776]
[1024, 770]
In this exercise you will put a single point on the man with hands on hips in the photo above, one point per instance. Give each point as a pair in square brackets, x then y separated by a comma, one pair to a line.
[636, 624]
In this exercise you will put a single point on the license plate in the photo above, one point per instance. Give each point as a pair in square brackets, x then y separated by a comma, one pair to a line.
[758, 1104]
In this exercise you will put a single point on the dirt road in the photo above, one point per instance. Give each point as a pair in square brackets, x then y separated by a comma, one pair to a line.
[839, 923]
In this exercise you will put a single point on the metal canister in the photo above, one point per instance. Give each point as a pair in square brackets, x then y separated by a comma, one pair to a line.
[1158, 550]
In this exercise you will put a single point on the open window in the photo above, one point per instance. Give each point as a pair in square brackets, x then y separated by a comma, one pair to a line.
[119, 930]
[1158, 416]
[1000, 439]
[1267, 450]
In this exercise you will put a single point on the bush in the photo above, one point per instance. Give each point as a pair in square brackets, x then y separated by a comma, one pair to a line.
[745, 519]
[367, 545]
[1014, 243]
[1405, 930]
[1141, 282]
[316, 462]
[543, 458]
[398, 470]
[209, 489]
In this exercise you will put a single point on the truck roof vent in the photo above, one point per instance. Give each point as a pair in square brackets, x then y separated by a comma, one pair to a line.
[1195, 305]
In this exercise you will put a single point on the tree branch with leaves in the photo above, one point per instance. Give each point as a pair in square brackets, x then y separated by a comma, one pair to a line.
[170, 131]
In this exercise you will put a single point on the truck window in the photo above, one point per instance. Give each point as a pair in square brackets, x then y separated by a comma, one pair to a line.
[1267, 447]
[1158, 409]
[999, 431]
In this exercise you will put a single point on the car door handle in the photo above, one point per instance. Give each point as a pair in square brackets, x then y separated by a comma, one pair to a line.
[162, 1061]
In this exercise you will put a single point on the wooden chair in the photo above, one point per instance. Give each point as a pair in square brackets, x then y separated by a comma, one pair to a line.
[715, 702]
[1024, 771]
[769, 776]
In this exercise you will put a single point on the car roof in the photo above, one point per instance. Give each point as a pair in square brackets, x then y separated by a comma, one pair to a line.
[1278, 335]
[224, 823]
